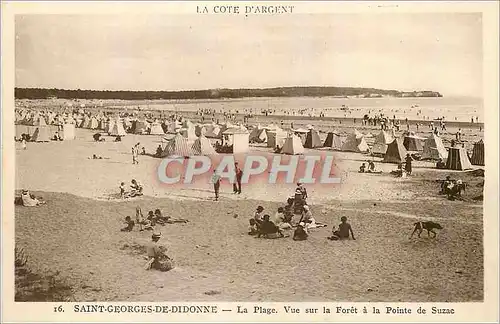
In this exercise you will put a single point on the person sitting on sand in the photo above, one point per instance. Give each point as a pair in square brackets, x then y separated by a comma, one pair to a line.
[30, 200]
[440, 164]
[143, 151]
[344, 230]
[118, 138]
[268, 229]
[159, 151]
[307, 217]
[446, 185]
[151, 218]
[300, 233]
[362, 168]
[136, 189]
[130, 224]
[258, 215]
[157, 257]
[280, 221]
[252, 229]
[335, 234]
[288, 211]
[371, 166]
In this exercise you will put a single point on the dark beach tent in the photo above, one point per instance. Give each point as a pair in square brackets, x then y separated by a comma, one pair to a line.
[333, 141]
[292, 146]
[458, 159]
[434, 148]
[355, 142]
[138, 127]
[478, 153]
[312, 139]
[202, 146]
[396, 152]
[413, 143]
[178, 146]
[382, 140]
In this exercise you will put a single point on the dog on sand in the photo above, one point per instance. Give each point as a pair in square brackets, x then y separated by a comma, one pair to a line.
[428, 226]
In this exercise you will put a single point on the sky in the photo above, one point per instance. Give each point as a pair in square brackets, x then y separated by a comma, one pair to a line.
[422, 51]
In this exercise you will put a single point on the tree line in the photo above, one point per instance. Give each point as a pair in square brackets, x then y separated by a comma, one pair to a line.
[42, 93]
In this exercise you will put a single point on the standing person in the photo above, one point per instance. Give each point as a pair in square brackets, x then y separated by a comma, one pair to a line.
[216, 183]
[134, 155]
[417, 127]
[238, 176]
[408, 164]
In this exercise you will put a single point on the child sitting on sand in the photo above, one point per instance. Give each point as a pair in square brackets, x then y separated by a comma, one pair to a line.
[252, 229]
[136, 189]
[343, 232]
[362, 168]
[130, 225]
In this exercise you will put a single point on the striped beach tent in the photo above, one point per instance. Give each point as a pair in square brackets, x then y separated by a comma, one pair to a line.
[458, 159]
[478, 153]
[178, 146]
[202, 146]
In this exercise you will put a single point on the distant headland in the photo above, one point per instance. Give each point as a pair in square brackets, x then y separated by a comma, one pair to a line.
[341, 92]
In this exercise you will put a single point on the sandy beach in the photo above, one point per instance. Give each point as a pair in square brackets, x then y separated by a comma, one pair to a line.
[77, 233]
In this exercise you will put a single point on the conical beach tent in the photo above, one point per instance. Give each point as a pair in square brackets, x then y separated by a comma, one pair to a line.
[41, 134]
[382, 140]
[177, 147]
[117, 129]
[478, 153]
[213, 131]
[396, 152]
[355, 143]
[312, 139]
[139, 127]
[458, 159]
[413, 143]
[202, 146]
[333, 141]
[292, 146]
[258, 135]
[276, 137]
[69, 132]
[434, 148]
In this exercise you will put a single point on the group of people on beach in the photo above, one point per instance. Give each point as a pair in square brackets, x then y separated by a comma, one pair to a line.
[262, 225]
[135, 190]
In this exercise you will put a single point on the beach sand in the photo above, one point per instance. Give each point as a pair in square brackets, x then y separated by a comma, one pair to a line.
[77, 232]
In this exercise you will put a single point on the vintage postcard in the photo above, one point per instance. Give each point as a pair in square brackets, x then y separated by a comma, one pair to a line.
[250, 161]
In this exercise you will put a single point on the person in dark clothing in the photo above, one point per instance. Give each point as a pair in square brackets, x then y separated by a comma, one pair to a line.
[237, 183]
[130, 225]
[408, 164]
[268, 229]
[300, 233]
[159, 151]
